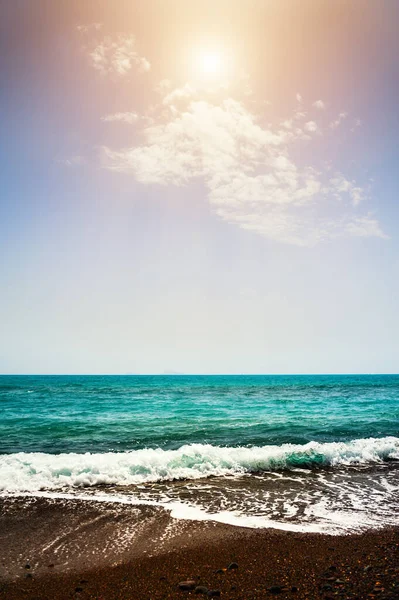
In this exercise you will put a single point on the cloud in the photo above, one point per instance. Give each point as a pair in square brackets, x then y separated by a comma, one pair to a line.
[365, 226]
[179, 94]
[205, 140]
[311, 126]
[339, 185]
[125, 117]
[72, 161]
[254, 174]
[341, 117]
[115, 54]
[319, 104]
[357, 123]
[89, 28]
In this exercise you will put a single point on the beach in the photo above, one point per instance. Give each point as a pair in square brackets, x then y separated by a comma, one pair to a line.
[57, 549]
[247, 487]
[199, 333]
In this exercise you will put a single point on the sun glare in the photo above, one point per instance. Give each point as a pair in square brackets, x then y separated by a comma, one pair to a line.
[211, 63]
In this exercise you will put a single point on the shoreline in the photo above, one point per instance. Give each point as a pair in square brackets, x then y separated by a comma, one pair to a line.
[72, 549]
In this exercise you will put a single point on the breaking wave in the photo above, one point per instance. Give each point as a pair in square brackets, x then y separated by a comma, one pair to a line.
[38, 471]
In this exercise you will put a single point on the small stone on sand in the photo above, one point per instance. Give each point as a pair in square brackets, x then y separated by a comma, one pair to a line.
[201, 589]
[187, 586]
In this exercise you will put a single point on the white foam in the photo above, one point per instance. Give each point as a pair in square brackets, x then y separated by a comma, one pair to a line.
[183, 511]
[334, 502]
[38, 471]
[322, 518]
[35, 471]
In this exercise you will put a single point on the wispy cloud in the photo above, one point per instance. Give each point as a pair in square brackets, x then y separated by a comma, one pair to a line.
[124, 117]
[248, 168]
[339, 185]
[178, 94]
[319, 104]
[365, 226]
[116, 54]
[76, 160]
[357, 123]
[89, 28]
[337, 122]
[311, 126]
[254, 173]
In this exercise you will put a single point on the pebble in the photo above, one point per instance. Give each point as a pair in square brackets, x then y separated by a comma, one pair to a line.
[232, 565]
[188, 585]
[213, 593]
[27, 566]
[275, 589]
[201, 589]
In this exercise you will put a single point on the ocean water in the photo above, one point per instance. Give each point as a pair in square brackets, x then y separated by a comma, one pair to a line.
[306, 453]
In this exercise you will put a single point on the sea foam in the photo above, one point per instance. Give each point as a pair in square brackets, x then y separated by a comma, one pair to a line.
[38, 471]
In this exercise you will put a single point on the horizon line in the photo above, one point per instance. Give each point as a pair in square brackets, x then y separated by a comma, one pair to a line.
[177, 374]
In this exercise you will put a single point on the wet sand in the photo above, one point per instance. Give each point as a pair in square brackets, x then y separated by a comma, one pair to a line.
[57, 549]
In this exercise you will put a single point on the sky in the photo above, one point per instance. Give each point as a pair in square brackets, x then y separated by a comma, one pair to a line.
[199, 187]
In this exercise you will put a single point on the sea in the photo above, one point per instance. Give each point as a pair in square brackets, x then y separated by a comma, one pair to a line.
[317, 453]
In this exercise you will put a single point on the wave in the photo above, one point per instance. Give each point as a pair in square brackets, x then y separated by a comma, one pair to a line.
[38, 471]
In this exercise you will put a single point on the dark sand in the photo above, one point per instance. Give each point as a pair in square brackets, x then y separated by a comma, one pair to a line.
[74, 549]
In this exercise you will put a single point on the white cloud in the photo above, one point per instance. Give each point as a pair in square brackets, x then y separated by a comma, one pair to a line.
[357, 123]
[365, 226]
[311, 126]
[339, 185]
[117, 55]
[72, 161]
[319, 104]
[89, 28]
[341, 117]
[205, 140]
[125, 117]
[179, 94]
[248, 169]
[163, 87]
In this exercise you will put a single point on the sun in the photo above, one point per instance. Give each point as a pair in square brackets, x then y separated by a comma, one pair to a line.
[211, 63]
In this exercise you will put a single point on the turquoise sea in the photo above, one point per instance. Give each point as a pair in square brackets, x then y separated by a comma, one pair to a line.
[316, 452]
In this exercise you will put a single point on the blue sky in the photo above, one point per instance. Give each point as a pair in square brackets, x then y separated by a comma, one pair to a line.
[200, 188]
